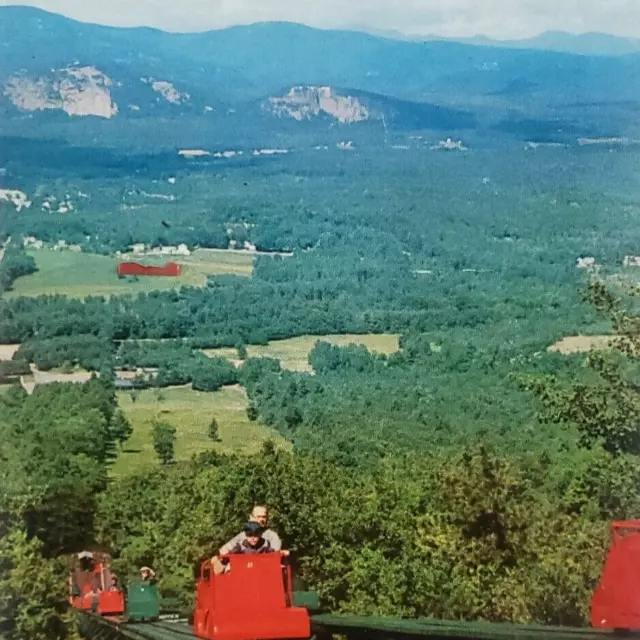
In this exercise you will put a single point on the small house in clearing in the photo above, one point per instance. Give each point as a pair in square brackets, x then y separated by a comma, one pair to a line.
[585, 262]
[631, 261]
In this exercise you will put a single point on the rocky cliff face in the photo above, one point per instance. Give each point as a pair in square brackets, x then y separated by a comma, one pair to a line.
[305, 102]
[79, 91]
[18, 199]
[167, 90]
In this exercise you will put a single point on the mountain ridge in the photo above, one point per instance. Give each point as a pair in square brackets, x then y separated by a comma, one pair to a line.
[588, 43]
[585, 43]
[51, 65]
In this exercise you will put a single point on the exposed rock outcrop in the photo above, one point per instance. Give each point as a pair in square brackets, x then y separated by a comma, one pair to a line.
[79, 91]
[167, 91]
[305, 102]
[17, 198]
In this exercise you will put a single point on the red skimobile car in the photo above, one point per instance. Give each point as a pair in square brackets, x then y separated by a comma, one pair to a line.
[90, 587]
[252, 599]
[616, 601]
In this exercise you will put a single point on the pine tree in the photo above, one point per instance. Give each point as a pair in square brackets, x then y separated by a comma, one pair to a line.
[214, 430]
[120, 427]
[164, 441]
[242, 351]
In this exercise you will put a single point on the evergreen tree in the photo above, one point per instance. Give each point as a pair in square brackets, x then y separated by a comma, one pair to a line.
[164, 440]
[241, 348]
[252, 412]
[214, 430]
[120, 427]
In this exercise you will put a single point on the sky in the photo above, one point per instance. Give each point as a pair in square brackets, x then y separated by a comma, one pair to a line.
[500, 19]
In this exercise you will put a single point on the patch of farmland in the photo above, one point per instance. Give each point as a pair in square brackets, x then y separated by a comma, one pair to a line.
[79, 275]
[293, 353]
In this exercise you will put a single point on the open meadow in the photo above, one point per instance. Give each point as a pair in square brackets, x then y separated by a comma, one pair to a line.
[581, 344]
[190, 412]
[79, 275]
[293, 353]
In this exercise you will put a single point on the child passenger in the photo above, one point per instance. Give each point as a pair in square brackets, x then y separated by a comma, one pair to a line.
[253, 541]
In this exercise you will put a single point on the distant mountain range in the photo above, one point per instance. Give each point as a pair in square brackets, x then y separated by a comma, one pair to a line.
[270, 73]
[588, 44]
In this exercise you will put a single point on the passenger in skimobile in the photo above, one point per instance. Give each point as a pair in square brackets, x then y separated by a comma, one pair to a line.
[260, 515]
[147, 575]
[253, 541]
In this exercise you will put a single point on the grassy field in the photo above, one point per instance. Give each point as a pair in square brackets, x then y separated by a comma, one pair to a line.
[83, 274]
[293, 353]
[190, 412]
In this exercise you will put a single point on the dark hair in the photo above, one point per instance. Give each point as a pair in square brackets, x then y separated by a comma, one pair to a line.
[253, 529]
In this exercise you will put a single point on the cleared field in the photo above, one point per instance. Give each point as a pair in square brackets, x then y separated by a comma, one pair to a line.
[580, 344]
[293, 353]
[7, 351]
[242, 253]
[190, 412]
[80, 275]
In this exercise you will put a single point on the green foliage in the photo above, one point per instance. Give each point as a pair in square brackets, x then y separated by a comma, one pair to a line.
[87, 351]
[177, 364]
[241, 348]
[604, 411]
[32, 590]
[55, 446]
[213, 430]
[120, 427]
[504, 544]
[395, 254]
[164, 440]
[11, 370]
[15, 263]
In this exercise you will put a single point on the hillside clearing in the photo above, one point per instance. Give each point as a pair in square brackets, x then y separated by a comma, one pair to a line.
[190, 412]
[293, 353]
[580, 344]
[7, 351]
[80, 275]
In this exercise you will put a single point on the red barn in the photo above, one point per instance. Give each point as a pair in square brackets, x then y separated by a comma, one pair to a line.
[136, 269]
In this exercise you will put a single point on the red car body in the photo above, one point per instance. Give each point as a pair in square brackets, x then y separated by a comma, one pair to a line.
[93, 582]
[251, 601]
[616, 601]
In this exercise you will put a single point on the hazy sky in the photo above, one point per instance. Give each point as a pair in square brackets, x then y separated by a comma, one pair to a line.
[495, 18]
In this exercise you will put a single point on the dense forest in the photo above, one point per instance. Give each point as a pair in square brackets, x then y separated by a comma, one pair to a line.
[471, 474]
[471, 257]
